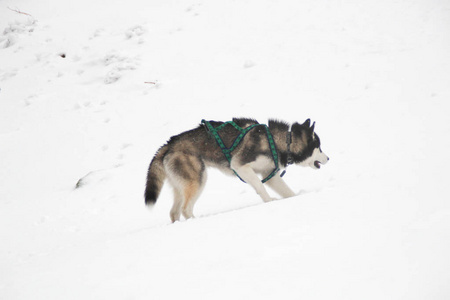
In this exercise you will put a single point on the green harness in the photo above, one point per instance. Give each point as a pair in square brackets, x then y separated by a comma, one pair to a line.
[243, 131]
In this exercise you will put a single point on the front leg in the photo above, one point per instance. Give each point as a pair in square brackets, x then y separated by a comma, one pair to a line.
[280, 187]
[248, 175]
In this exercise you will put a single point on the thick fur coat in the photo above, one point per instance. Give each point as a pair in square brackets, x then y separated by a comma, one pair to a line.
[183, 160]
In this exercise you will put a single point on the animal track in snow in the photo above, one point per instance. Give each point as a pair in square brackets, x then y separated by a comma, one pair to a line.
[136, 33]
[5, 75]
[118, 65]
[249, 64]
[14, 30]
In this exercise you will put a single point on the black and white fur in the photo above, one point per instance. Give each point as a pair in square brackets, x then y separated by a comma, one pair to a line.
[184, 158]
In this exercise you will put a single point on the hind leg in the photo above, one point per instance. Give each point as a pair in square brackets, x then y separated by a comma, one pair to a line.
[190, 196]
[175, 212]
[186, 173]
[191, 193]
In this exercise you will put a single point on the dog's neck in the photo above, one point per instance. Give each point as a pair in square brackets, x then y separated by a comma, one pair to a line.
[289, 159]
[284, 149]
[282, 136]
[289, 153]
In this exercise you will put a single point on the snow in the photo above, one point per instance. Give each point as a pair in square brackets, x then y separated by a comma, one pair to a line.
[89, 90]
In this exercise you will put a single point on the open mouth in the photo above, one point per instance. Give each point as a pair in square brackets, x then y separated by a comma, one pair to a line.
[317, 164]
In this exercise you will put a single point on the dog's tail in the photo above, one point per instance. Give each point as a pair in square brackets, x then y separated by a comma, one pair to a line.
[155, 177]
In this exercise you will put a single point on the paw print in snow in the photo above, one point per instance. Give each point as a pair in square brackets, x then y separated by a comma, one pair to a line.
[136, 33]
[119, 65]
[11, 33]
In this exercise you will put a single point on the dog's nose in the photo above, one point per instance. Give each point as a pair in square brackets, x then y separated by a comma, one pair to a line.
[328, 158]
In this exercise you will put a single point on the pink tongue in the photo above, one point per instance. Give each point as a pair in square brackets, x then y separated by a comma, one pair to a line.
[317, 164]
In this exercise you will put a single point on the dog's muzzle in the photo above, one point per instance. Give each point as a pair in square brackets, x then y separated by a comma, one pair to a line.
[320, 160]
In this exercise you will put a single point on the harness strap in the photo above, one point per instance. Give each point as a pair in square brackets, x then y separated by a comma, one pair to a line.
[290, 159]
[243, 131]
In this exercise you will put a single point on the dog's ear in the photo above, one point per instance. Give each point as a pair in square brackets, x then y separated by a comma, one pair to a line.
[305, 127]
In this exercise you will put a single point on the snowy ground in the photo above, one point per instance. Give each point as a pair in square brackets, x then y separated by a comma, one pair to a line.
[91, 89]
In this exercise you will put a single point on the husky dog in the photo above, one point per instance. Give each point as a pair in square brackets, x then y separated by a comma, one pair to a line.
[184, 158]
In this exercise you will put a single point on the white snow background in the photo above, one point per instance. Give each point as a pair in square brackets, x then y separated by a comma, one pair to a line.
[91, 89]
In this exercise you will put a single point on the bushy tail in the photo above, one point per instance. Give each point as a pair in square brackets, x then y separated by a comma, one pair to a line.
[155, 177]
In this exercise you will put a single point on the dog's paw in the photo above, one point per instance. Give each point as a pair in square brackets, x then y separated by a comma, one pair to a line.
[269, 199]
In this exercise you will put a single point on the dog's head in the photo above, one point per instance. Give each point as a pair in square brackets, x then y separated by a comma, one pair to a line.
[306, 146]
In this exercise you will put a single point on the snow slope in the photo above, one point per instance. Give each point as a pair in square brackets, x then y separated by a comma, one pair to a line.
[90, 90]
